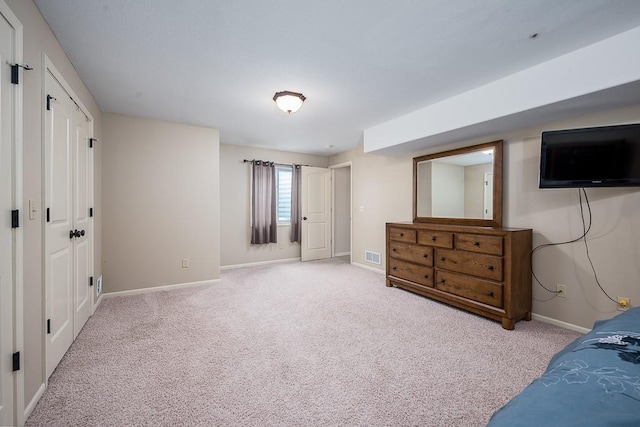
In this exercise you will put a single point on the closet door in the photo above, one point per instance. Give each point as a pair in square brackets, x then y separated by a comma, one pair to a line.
[68, 182]
[82, 201]
[59, 248]
[6, 250]
[11, 249]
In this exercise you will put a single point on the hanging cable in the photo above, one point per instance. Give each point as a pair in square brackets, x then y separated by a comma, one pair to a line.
[546, 245]
[585, 231]
[595, 275]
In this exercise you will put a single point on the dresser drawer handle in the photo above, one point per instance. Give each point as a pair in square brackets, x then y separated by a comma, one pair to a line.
[394, 268]
[393, 249]
[401, 234]
[476, 243]
[441, 280]
[426, 276]
[490, 293]
[442, 258]
[490, 267]
[425, 255]
[433, 238]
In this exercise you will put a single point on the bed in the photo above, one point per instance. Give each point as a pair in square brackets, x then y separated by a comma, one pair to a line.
[594, 381]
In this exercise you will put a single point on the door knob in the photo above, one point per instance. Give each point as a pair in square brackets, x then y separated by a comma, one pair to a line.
[304, 218]
[76, 233]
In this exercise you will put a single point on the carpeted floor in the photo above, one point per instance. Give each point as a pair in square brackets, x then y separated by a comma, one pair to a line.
[296, 344]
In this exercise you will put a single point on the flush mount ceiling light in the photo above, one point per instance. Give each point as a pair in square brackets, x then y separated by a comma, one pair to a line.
[289, 102]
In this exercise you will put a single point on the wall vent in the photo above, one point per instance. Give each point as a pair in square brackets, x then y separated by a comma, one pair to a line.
[372, 257]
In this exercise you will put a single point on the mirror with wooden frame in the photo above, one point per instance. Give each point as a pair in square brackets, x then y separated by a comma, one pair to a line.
[460, 187]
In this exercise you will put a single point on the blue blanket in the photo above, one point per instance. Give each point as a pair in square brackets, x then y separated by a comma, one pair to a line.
[594, 381]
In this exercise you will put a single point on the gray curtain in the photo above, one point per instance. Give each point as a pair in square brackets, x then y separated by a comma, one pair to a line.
[264, 223]
[296, 207]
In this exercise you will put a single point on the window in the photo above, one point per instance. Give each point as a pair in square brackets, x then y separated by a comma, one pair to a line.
[283, 194]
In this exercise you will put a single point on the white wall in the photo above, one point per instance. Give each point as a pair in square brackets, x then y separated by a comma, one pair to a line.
[381, 192]
[161, 203]
[383, 185]
[423, 202]
[235, 203]
[39, 39]
[447, 190]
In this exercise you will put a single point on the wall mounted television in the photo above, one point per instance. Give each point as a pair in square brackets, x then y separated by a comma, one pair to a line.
[606, 156]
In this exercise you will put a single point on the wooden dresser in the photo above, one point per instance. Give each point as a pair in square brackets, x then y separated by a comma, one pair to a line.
[480, 269]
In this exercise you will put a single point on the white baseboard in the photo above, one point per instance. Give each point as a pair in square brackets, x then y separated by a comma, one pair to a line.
[342, 254]
[366, 267]
[159, 288]
[34, 401]
[98, 301]
[560, 323]
[255, 264]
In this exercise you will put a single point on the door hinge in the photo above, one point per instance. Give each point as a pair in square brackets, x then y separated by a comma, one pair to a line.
[48, 214]
[15, 218]
[91, 141]
[49, 98]
[15, 72]
[90, 212]
[16, 361]
[48, 326]
[90, 281]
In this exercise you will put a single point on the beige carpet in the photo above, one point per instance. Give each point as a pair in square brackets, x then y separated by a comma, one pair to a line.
[296, 344]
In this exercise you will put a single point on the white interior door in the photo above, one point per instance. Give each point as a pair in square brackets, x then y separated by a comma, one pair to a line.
[316, 213]
[11, 330]
[6, 241]
[68, 183]
[82, 200]
[488, 195]
[11, 383]
[59, 204]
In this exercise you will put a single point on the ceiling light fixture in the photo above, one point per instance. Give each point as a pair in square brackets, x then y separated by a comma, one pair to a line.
[289, 102]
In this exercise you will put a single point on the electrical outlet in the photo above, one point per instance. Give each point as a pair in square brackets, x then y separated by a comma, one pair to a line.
[185, 263]
[561, 291]
[623, 303]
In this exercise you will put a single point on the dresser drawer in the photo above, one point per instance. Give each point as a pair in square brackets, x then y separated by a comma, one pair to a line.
[480, 265]
[402, 235]
[420, 254]
[413, 272]
[469, 287]
[435, 238]
[491, 245]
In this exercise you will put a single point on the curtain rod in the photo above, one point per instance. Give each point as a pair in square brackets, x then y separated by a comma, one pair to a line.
[267, 161]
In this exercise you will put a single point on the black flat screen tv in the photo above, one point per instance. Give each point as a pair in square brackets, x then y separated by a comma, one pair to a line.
[606, 156]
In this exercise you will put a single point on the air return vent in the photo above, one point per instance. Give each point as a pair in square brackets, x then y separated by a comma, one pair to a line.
[372, 257]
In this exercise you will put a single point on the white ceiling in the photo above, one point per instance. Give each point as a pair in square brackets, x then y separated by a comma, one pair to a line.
[218, 63]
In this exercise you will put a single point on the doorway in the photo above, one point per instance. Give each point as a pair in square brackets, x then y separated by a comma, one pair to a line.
[342, 210]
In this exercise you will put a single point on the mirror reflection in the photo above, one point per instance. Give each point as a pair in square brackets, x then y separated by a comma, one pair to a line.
[461, 186]
[458, 186]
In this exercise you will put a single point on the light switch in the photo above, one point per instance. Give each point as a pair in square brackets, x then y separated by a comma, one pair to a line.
[362, 209]
[32, 209]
